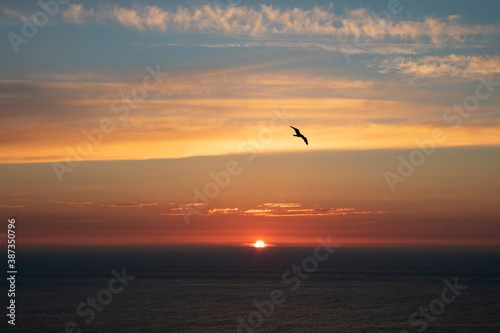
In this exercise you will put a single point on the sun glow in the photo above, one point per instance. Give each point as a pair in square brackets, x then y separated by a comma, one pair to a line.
[259, 244]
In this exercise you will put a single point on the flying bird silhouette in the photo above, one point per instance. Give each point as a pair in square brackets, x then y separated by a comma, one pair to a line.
[298, 134]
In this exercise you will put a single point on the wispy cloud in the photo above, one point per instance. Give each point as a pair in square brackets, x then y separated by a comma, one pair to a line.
[224, 211]
[15, 13]
[268, 20]
[452, 65]
[381, 47]
[279, 210]
[177, 128]
[257, 212]
[215, 83]
[319, 212]
[77, 14]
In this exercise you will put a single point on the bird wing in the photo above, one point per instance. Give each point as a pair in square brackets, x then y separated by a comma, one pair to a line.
[305, 139]
[296, 130]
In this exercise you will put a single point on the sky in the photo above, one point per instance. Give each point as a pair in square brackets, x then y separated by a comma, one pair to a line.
[167, 122]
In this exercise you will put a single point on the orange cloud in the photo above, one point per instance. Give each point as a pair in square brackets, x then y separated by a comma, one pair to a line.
[222, 211]
[161, 127]
[279, 210]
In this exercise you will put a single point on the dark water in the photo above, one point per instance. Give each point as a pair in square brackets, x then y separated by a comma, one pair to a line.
[207, 289]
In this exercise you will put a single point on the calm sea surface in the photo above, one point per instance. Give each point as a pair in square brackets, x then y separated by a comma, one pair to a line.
[203, 289]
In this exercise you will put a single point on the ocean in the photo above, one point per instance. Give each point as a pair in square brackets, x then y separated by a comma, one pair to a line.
[243, 289]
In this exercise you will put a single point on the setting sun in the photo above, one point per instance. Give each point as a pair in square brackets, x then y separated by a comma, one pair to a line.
[259, 244]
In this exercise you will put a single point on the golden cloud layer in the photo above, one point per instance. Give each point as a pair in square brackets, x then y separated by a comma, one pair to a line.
[278, 210]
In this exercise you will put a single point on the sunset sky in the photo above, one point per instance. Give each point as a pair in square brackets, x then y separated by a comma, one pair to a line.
[167, 122]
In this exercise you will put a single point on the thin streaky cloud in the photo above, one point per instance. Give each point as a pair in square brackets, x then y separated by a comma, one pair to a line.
[224, 211]
[339, 46]
[277, 210]
[452, 65]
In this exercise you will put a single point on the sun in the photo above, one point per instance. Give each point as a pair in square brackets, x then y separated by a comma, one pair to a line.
[259, 244]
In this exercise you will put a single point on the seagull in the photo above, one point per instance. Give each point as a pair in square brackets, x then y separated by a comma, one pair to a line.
[298, 134]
